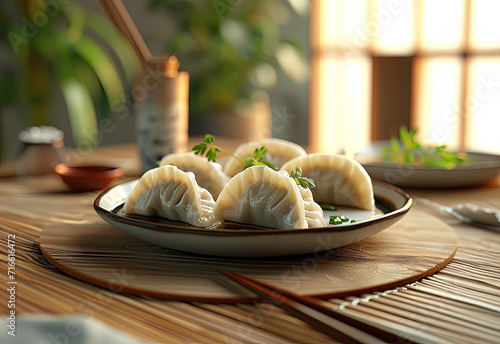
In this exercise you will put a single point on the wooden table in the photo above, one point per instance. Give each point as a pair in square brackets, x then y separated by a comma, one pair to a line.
[459, 304]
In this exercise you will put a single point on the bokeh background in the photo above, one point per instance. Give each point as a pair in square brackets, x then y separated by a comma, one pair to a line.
[174, 26]
[335, 75]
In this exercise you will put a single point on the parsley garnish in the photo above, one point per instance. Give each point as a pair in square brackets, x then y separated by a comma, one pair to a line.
[211, 151]
[207, 146]
[406, 150]
[258, 155]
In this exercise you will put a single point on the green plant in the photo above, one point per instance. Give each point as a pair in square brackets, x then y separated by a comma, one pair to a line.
[407, 150]
[231, 48]
[60, 48]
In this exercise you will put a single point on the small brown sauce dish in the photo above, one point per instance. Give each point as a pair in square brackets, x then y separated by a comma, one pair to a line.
[87, 178]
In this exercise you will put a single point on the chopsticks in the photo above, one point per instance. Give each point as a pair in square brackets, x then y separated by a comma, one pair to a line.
[118, 14]
[341, 327]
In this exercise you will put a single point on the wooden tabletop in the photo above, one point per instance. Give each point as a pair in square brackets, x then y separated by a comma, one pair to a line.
[459, 304]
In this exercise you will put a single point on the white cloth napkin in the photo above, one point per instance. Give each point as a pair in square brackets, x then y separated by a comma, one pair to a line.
[36, 329]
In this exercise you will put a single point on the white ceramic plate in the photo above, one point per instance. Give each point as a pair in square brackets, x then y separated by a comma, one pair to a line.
[478, 169]
[239, 240]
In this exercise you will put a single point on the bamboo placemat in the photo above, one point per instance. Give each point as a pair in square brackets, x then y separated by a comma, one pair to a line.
[413, 248]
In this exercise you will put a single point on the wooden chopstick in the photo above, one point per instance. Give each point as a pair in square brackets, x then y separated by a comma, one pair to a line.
[332, 323]
[118, 14]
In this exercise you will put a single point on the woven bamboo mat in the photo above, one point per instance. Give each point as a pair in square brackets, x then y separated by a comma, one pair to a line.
[459, 304]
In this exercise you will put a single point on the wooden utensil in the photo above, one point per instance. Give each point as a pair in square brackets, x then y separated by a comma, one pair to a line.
[119, 15]
[338, 326]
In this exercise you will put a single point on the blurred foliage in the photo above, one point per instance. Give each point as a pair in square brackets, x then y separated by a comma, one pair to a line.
[60, 48]
[231, 48]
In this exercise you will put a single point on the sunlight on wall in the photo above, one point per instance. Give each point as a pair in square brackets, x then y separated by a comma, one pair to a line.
[439, 119]
[482, 105]
[455, 46]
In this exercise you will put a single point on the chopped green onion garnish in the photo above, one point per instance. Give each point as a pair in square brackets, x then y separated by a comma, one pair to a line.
[338, 219]
[327, 207]
[335, 220]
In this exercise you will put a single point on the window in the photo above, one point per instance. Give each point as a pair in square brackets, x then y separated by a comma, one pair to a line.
[433, 65]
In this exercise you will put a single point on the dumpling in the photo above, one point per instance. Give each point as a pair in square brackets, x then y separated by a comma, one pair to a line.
[339, 180]
[264, 197]
[313, 212]
[278, 152]
[208, 174]
[171, 193]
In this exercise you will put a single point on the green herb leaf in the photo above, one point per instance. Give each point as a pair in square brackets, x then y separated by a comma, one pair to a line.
[259, 153]
[270, 164]
[247, 162]
[327, 207]
[200, 148]
[209, 138]
[253, 162]
[306, 183]
[297, 173]
[212, 154]
[211, 150]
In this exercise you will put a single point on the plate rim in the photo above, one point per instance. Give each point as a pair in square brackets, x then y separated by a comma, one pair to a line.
[191, 230]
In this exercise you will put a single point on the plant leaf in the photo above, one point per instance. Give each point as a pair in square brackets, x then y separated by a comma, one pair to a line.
[102, 66]
[81, 111]
[200, 148]
[116, 42]
[209, 138]
[79, 103]
[259, 153]
[212, 154]
[270, 164]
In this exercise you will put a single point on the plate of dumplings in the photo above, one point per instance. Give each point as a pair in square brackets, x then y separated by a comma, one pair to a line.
[194, 205]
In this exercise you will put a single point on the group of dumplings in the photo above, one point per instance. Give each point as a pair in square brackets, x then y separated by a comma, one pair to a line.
[188, 188]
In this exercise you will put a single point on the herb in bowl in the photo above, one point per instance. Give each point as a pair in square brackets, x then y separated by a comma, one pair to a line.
[407, 150]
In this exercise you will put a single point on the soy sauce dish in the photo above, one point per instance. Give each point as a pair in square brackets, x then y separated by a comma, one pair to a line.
[87, 178]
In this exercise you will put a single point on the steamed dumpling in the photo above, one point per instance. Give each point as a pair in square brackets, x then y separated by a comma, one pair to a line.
[171, 193]
[313, 212]
[278, 152]
[339, 180]
[264, 197]
[208, 174]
